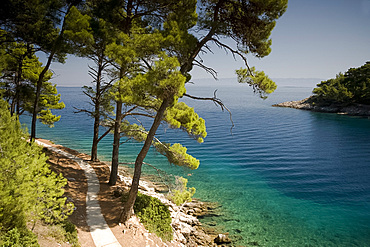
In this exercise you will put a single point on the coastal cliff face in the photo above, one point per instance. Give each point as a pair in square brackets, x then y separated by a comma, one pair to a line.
[308, 104]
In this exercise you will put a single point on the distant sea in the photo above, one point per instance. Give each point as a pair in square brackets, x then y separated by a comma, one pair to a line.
[283, 177]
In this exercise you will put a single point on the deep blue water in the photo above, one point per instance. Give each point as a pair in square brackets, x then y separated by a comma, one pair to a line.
[283, 177]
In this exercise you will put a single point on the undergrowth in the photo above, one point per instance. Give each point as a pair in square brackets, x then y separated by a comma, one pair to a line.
[64, 232]
[18, 237]
[154, 215]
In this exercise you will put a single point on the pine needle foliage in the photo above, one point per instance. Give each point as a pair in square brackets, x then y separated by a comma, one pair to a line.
[258, 80]
[29, 190]
[182, 194]
[352, 87]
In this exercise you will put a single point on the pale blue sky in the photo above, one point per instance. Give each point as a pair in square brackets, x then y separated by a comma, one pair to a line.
[313, 39]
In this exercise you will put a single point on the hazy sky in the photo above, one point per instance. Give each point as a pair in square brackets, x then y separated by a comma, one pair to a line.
[313, 39]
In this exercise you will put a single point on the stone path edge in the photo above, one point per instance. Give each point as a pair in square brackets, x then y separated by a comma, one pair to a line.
[99, 229]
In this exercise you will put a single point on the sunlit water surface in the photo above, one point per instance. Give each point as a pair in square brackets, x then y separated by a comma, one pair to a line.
[283, 177]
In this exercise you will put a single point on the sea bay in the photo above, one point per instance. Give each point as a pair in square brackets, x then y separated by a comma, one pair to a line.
[283, 177]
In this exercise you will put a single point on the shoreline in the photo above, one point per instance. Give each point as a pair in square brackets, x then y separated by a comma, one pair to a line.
[188, 231]
[359, 110]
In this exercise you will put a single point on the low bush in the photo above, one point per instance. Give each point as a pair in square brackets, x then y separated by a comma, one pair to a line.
[19, 238]
[70, 233]
[64, 232]
[154, 215]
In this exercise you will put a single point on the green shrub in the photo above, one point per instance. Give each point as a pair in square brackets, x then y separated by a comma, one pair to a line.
[182, 194]
[64, 232]
[29, 190]
[19, 238]
[154, 215]
[70, 233]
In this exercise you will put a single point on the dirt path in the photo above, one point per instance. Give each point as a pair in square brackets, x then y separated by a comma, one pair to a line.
[69, 162]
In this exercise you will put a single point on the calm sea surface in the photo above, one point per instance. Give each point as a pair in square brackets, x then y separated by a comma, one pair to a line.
[283, 177]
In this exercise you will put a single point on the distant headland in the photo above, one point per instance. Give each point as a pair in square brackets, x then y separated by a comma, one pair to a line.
[309, 104]
[347, 93]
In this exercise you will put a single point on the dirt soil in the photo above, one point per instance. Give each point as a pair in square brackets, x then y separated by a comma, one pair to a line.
[131, 234]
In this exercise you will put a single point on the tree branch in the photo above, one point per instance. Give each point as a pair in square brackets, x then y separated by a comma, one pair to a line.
[105, 133]
[216, 101]
[155, 168]
[78, 110]
[207, 69]
[233, 52]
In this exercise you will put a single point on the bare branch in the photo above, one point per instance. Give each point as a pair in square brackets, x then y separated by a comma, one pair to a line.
[88, 95]
[207, 69]
[128, 112]
[107, 85]
[147, 64]
[105, 133]
[93, 73]
[124, 141]
[233, 52]
[216, 101]
[78, 110]
[140, 114]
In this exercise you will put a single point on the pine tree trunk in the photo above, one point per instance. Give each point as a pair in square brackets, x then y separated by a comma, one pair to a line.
[12, 106]
[129, 205]
[116, 140]
[94, 148]
[37, 98]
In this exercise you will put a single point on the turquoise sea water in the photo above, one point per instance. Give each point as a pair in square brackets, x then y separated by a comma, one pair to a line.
[283, 177]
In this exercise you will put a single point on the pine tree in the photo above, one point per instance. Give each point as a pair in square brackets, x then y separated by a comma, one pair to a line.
[248, 23]
[101, 34]
[352, 87]
[28, 189]
[21, 70]
[46, 25]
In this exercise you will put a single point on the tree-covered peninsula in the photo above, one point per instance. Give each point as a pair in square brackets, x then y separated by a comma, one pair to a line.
[347, 93]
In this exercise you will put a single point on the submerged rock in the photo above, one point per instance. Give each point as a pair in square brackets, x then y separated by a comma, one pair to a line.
[222, 239]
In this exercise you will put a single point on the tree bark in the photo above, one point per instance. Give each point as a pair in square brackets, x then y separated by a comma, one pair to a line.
[116, 139]
[94, 148]
[38, 93]
[129, 205]
[18, 85]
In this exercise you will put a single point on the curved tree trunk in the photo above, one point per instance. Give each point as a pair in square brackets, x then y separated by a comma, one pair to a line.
[116, 139]
[42, 74]
[129, 205]
[37, 98]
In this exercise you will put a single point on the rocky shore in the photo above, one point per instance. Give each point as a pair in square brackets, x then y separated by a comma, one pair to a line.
[307, 104]
[188, 230]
